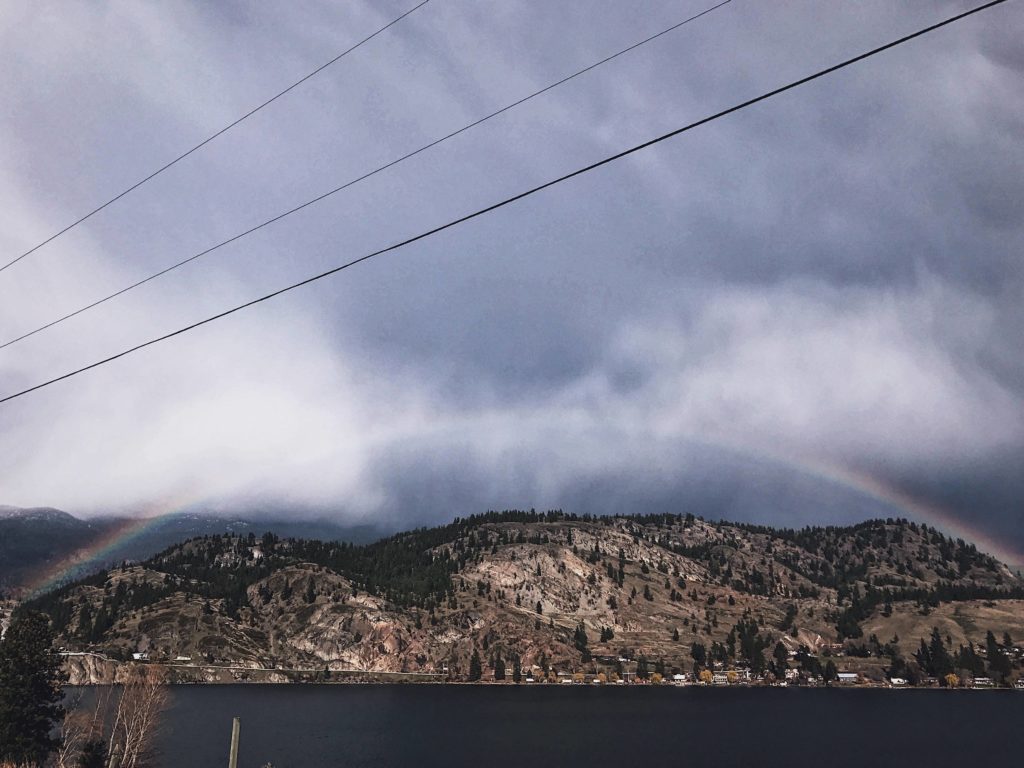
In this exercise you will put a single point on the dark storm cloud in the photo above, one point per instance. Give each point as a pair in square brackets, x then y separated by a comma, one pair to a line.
[833, 276]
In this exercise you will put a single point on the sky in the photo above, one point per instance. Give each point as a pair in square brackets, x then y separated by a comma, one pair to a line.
[807, 312]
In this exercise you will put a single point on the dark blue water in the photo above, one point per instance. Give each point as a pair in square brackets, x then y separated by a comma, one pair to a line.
[494, 727]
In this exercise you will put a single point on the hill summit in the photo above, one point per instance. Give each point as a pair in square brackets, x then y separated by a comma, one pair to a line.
[524, 592]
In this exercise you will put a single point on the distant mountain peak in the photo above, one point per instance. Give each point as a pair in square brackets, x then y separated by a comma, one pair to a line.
[36, 513]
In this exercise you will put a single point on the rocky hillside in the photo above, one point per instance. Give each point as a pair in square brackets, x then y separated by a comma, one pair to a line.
[540, 592]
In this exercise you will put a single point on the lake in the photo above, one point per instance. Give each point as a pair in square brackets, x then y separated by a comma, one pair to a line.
[426, 725]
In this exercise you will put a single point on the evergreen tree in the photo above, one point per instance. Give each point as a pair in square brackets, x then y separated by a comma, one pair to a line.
[85, 622]
[642, 669]
[579, 640]
[830, 673]
[781, 657]
[499, 667]
[933, 657]
[517, 670]
[998, 662]
[968, 659]
[310, 594]
[475, 667]
[699, 654]
[30, 690]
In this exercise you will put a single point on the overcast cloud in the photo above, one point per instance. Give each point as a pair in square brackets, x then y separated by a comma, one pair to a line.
[834, 275]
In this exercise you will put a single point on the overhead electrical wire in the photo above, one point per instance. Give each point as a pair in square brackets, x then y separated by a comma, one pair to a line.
[352, 182]
[210, 138]
[514, 198]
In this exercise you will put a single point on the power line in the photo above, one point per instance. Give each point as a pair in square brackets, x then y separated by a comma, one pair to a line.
[210, 138]
[354, 181]
[514, 198]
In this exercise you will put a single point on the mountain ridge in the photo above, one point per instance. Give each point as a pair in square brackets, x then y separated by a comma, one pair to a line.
[36, 541]
[541, 591]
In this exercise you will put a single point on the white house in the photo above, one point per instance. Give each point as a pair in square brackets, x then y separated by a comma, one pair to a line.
[848, 677]
[141, 656]
[897, 681]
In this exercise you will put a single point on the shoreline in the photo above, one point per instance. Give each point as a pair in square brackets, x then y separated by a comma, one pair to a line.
[368, 680]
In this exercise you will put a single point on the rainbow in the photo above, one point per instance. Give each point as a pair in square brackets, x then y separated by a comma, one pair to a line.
[88, 559]
[876, 490]
[100, 552]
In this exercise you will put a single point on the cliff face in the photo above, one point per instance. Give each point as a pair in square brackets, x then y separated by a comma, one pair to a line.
[549, 592]
[86, 668]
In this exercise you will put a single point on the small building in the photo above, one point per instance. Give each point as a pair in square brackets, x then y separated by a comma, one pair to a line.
[983, 682]
[678, 679]
[847, 678]
[897, 682]
[140, 656]
[1020, 684]
[720, 678]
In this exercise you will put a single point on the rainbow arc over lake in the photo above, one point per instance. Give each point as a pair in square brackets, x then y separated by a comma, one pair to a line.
[100, 552]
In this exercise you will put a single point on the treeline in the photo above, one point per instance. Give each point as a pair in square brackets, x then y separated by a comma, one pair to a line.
[417, 568]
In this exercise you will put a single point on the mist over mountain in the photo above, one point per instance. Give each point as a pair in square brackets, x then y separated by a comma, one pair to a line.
[45, 545]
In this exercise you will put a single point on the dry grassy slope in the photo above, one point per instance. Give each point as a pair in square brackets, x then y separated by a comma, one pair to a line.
[963, 622]
[495, 603]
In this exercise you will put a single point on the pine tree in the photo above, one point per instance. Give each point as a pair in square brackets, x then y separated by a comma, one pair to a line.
[830, 672]
[475, 667]
[85, 622]
[579, 638]
[30, 690]
[310, 594]
[999, 667]
[642, 670]
[941, 663]
[499, 667]
[699, 654]
[781, 660]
